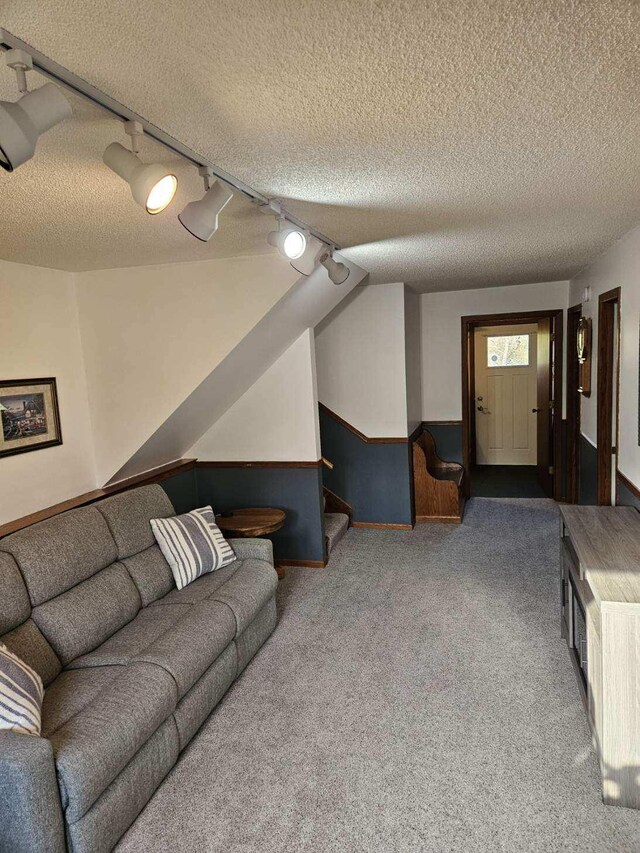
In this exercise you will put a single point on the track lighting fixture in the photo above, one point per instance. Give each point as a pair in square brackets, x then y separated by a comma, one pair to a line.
[23, 122]
[338, 272]
[290, 242]
[153, 186]
[200, 218]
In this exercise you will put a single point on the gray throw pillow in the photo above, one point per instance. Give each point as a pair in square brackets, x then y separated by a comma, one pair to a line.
[192, 544]
[21, 695]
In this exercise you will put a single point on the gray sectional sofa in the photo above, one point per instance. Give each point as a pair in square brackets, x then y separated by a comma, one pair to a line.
[132, 666]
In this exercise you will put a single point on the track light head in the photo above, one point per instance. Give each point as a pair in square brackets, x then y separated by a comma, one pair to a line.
[200, 218]
[152, 185]
[338, 272]
[290, 242]
[23, 122]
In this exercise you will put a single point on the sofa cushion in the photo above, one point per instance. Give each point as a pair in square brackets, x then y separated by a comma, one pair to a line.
[58, 553]
[128, 515]
[183, 639]
[16, 607]
[190, 646]
[100, 829]
[192, 544]
[247, 591]
[21, 695]
[151, 574]
[83, 617]
[201, 588]
[71, 692]
[123, 646]
[28, 643]
[247, 585]
[98, 742]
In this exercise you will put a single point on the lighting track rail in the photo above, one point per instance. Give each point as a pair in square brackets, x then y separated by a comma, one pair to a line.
[68, 80]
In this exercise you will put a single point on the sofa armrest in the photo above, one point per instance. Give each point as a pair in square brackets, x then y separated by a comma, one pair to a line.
[30, 811]
[253, 549]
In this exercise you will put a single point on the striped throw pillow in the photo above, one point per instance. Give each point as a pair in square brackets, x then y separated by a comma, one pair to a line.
[192, 544]
[21, 695]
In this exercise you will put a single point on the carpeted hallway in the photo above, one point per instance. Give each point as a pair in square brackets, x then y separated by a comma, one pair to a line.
[415, 696]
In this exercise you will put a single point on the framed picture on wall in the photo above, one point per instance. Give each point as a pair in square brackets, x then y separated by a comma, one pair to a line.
[29, 415]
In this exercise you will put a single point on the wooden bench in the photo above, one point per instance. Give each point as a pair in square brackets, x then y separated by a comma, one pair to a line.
[438, 485]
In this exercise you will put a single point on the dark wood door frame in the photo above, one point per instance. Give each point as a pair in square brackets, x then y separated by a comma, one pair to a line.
[608, 374]
[469, 325]
[572, 462]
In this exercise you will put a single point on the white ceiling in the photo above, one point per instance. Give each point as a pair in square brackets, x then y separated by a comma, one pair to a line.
[451, 144]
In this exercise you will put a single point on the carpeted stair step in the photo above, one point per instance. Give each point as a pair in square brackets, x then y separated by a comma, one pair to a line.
[335, 526]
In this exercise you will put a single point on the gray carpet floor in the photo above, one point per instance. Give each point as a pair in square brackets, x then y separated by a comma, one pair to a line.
[415, 696]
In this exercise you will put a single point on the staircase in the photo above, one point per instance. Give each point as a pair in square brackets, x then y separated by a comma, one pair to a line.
[337, 519]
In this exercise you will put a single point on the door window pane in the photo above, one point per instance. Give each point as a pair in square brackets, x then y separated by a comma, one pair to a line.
[507, 351]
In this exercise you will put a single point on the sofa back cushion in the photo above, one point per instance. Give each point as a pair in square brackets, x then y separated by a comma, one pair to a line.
[128, 516]
[82, 618]
[29, 644]
[17, 630]
[56, 554]
[15, 607]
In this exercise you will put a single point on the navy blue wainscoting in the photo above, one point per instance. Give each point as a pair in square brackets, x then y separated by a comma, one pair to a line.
[182, 490]
[296, 490]
[375, 478]
[588, 472]
[448, 439]
[625, 496]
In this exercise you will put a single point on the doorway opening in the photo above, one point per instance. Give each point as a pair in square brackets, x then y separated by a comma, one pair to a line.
[511, 422]
[608, 395]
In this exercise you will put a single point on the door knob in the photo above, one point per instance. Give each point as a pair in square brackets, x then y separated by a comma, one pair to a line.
[535, 411]
[481, 408]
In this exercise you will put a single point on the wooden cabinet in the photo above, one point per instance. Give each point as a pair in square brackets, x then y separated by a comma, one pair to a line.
[600, 620]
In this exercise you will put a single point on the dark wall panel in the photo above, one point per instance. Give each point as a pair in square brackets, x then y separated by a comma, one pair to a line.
[298, 491]
[374, 478]
[588, 473]
[626, 497]
[448, 439]
[182, 491]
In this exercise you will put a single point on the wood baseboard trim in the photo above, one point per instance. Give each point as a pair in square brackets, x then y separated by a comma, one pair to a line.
[303, 564]
[378, 525]
[628, 484]
[156, 475]
[438, 519]
[427, 424]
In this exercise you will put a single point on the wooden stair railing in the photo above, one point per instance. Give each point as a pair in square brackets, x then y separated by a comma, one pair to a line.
[438, 485]
[332, 503]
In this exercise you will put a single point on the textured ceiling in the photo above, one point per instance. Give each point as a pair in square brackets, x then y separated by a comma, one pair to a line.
[451, 144]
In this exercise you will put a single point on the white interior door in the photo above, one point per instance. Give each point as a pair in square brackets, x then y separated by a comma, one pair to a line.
[506, 395]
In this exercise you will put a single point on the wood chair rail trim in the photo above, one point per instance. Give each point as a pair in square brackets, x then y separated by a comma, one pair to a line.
[365, 438]
[156, 475]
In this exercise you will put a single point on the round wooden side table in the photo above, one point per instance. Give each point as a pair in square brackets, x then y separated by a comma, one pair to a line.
[253, 521]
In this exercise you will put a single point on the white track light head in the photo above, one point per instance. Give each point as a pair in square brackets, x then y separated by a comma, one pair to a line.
[23, 122]
[200, 218]
[338, 272]
[290, 242]
[152, 185]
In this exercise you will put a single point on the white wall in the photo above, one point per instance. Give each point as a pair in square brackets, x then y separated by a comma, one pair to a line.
[441, 333]
[153, 334]
[360, 356]
[39, 337]
[276, 419]
[413, 357]
[619, 266]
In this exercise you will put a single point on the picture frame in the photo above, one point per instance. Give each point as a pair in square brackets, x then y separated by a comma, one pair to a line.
[29, 415]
